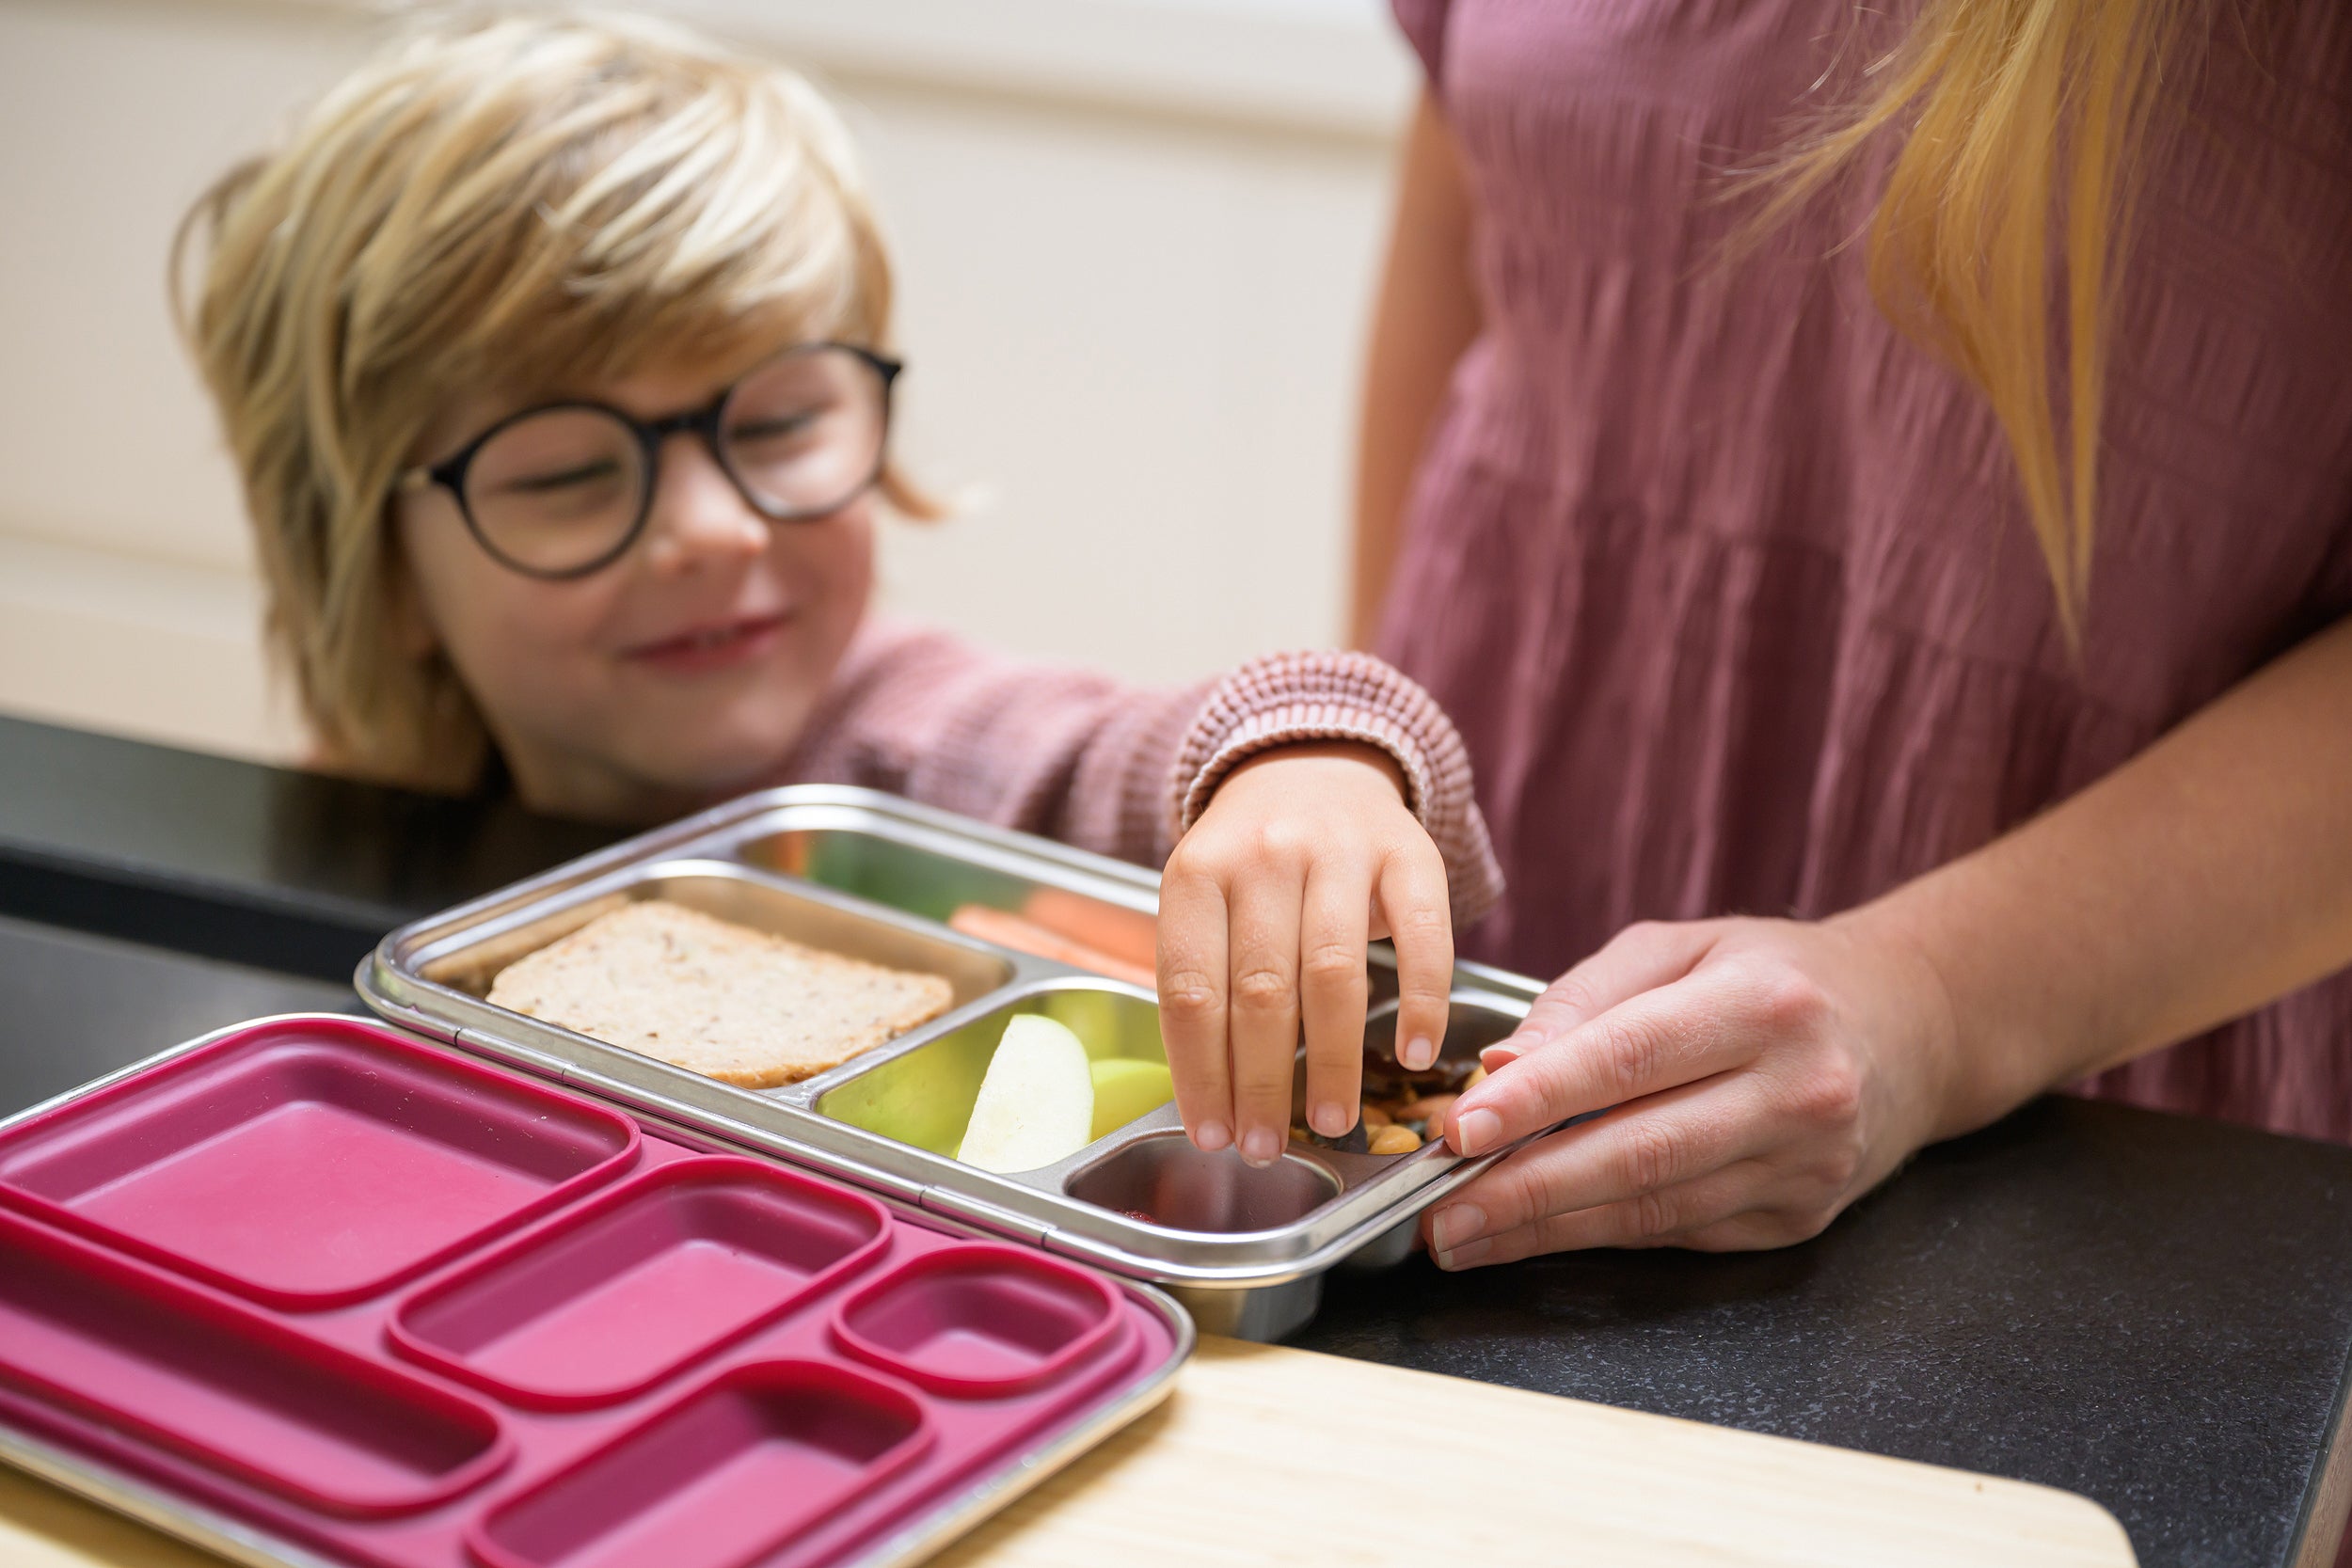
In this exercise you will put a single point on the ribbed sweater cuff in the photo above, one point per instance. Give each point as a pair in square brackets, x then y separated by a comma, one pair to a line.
[1284, 699]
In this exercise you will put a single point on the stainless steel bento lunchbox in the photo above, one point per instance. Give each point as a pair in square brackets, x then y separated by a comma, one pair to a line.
[873, 877]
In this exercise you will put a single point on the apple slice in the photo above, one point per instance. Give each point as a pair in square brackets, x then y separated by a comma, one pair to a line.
[1036, 1104]
[1126, 1087]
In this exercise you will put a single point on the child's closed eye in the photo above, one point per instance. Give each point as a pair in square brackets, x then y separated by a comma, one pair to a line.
[776, 430]
[603, 472]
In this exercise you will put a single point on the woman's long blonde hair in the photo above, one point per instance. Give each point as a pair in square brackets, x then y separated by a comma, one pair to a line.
[2022, 125]
[522, 203]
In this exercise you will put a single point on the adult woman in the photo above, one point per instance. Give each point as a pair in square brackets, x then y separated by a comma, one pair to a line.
[1755, 567]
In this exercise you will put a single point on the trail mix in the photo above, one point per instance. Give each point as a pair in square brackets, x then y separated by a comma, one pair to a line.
[1402, 1109]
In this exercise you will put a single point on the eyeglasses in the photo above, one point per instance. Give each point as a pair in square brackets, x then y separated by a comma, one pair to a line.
[563, 489]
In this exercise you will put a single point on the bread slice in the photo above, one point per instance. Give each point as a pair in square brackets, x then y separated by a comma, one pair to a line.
[722, 999]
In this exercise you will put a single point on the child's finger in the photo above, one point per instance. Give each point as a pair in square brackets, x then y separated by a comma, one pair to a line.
[1421, 924]
[1333, 931]
[1262, 1015]
[1192, 977]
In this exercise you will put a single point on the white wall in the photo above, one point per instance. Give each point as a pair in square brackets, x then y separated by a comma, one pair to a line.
[1137, 239]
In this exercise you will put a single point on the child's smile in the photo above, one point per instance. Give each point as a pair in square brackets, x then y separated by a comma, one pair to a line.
[740, 639]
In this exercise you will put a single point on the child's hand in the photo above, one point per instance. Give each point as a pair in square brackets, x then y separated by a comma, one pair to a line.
[1304, 855]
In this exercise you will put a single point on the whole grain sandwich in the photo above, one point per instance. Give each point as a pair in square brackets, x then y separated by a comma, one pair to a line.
[718, 998]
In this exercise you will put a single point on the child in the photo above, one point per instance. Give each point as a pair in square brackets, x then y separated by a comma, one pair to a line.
[552, 353]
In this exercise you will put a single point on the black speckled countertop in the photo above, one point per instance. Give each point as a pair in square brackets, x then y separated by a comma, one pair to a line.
[258, 865]
[2153, 1311]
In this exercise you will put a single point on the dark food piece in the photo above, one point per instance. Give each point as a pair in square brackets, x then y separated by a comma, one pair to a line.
[1353, 1141]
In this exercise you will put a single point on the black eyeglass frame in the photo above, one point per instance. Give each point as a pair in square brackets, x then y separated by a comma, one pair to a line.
[705, 422]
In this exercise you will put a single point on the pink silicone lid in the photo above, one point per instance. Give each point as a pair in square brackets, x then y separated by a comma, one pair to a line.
[660, 1355]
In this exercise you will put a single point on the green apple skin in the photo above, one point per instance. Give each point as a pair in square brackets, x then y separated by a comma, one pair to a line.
[1126, 1088]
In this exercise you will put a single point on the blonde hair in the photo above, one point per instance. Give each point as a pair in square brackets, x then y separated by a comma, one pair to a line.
[516, 202]
[2023, 116]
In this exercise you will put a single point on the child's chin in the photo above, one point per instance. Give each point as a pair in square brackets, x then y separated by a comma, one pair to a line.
[718, 768]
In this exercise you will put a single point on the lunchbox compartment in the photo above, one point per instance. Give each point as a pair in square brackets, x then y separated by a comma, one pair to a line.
[1474, 1020]
[226, 1386]
[897, 869]
[470, 961]
[310, 1163]
[1162, 1180]
[604, 1302]
[975, 1322]
[924, 1094]
[729, 1474]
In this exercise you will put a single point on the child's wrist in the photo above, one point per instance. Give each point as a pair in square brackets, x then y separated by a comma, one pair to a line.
[1363, 752]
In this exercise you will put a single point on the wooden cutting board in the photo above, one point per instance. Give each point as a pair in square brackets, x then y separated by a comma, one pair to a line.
[1266, 1455]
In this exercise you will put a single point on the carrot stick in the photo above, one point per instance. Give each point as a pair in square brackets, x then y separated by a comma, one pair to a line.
[1025, 936]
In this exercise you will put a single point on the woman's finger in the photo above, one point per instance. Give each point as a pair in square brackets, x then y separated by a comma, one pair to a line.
[1641, 958]
[1663, 1141]
[1679, 1034]
[1661, 1218]
[1332, 989]
[1414, 904]
[1262, 1010]
[1193, 971]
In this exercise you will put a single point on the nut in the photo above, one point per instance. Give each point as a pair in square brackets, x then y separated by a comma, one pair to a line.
[1429, 1108]
[1375, 1117]
[1476, 1077]
[1393, 1140]
[1300, 1135]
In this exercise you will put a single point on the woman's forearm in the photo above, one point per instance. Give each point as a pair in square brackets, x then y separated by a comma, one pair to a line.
[1425, 315]
[2205, 877]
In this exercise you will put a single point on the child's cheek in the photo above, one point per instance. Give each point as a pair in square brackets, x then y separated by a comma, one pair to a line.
[532, 654]
[829, 573]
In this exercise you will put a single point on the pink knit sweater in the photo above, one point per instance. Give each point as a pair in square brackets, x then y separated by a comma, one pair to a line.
[1120, 770]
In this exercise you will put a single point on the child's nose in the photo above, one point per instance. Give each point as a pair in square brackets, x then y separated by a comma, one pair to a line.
[699, 517]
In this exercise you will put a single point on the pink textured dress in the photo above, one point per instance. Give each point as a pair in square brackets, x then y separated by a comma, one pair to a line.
[1120, 769]
[1729, 586]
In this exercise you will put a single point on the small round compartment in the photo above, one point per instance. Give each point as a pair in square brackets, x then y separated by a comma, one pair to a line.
[979, 1320]
[1162, 1180]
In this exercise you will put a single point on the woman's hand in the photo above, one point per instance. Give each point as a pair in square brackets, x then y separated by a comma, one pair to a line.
[1304, 855]
[1757, 1076]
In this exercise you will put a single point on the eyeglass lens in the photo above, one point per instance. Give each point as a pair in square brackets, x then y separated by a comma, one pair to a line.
[563, 488]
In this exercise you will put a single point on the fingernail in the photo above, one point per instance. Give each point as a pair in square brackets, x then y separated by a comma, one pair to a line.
[1469, 1255]
[1456, 1225]
[1211, 1136]
[1418, 1056]
[1328, 1118]
[1262, 1146]
[1503, 1053]
[1474, 1130]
